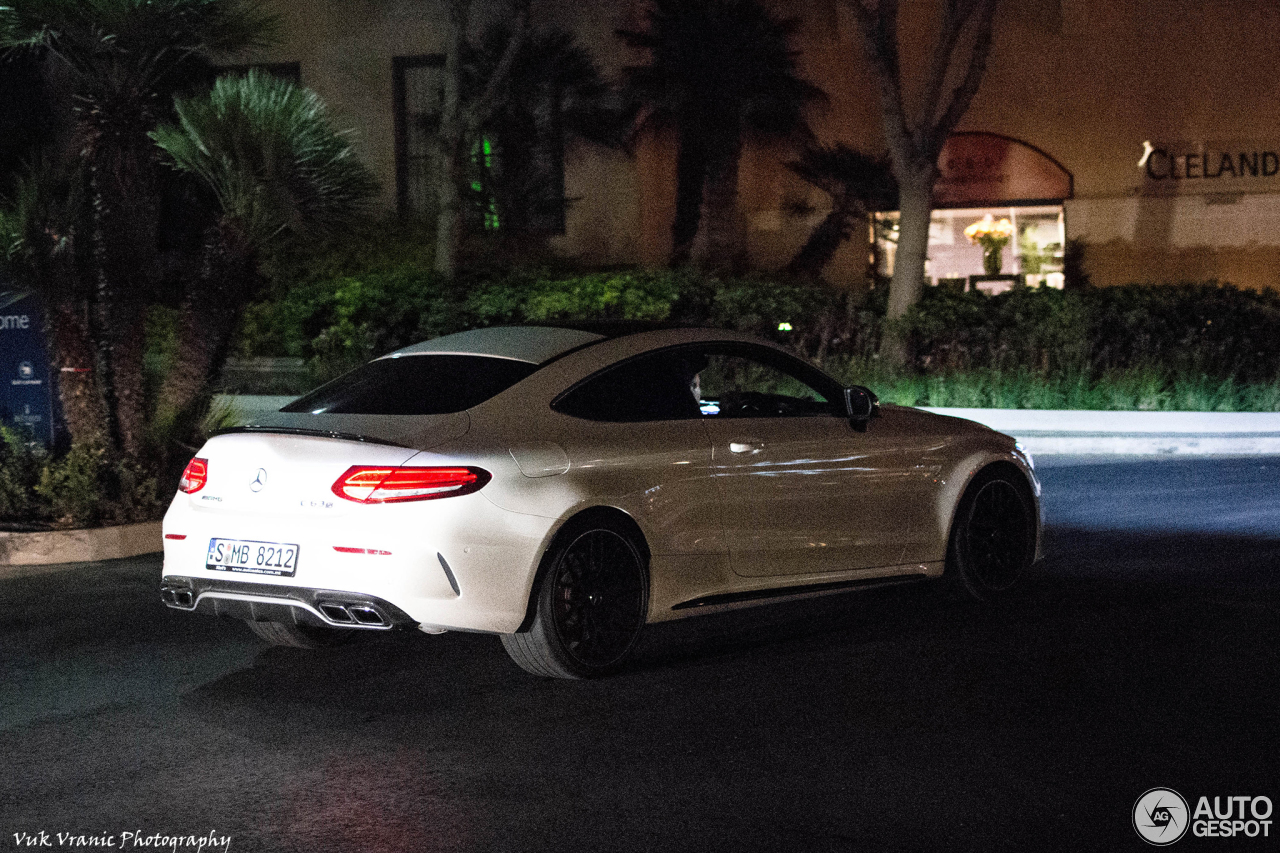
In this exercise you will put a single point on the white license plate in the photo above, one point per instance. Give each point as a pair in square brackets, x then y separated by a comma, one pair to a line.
[259, 558]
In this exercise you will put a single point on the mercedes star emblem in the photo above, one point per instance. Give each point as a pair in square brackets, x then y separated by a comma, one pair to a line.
[260, 481]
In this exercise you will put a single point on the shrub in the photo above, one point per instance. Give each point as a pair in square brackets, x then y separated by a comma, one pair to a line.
[1121, 390]
[19, 472]
[1207, 328]
[360, 303]
[72, 487]
[341, 322]
[78, 489]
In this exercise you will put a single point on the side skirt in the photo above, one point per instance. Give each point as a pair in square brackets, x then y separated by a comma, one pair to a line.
[794, 592]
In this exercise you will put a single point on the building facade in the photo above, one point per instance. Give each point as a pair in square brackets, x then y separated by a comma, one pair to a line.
[1145, 131]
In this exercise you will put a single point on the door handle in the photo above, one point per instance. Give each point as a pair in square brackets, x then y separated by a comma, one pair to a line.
[746, 445]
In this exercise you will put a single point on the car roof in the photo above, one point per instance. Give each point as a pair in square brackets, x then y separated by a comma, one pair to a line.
[533, 344]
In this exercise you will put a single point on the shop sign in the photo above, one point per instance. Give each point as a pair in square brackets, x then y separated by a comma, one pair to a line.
[26, 398]
[1200, 162]
[977, 169]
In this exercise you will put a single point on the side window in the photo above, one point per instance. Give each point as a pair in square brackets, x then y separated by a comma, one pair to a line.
[657, 387]
[739, 385]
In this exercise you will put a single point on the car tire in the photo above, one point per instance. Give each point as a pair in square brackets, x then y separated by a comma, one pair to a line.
[992, 540]
[299, 636]
[590, 604]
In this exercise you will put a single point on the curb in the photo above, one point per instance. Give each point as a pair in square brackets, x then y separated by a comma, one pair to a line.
[54, 547]
[1158, 434]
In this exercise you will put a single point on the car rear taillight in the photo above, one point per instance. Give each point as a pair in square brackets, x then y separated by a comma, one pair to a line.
[194, 476]
[368, 484]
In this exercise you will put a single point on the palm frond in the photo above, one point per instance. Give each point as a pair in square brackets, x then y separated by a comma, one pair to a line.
[845, 173]
[268, 152]
[723, 61]
[112, 44]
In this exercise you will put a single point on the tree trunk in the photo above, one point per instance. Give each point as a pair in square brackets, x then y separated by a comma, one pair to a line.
[452, 155]
[125, 223]
[915, 200]
[691, 176]
[71, 362]
[459, 127]
[449, 216]
[208, 323]
[725, 251]
[67, 324]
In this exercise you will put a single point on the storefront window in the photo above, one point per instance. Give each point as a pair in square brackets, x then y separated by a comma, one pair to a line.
[1026, 243]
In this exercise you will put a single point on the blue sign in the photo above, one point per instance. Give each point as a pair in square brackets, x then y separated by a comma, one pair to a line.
[26, 392]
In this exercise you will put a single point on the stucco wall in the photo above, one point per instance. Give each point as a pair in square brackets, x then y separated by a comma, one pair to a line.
[344, 48]
[1087, 81]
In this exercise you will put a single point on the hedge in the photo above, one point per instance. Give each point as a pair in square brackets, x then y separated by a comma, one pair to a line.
[1202, 329]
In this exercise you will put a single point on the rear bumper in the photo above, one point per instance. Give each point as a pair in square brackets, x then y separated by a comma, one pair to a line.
[460, 564]
[259, 602]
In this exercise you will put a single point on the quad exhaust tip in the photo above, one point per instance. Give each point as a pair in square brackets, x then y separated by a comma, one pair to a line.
[177, 596]
[349, 614]
[353, 614]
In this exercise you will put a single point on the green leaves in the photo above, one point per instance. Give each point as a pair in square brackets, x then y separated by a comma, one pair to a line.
[266, 149]
[1210, 329]
[81, 488]
[132, 46]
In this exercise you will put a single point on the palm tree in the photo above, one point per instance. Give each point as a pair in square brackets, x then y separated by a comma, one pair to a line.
[38, 228]
[718, 72]
[461, 122]
[266, 150]
[125, 56]
[857, 184]
[553, 90]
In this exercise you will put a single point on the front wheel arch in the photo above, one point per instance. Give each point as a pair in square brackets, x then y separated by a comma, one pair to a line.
[958, 575]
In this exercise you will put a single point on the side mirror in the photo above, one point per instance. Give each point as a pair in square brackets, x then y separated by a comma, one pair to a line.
[860, 406]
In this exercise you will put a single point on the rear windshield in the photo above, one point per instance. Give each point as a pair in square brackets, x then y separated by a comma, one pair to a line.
[414, 385]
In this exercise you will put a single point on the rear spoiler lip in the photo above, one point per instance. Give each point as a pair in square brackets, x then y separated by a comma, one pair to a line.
[318, 433]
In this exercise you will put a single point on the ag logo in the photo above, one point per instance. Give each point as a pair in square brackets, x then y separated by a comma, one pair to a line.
[1160, 816]
[259, 482]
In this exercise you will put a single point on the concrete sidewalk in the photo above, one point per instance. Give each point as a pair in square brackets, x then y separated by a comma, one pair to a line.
[1094, 433]
[24, 553]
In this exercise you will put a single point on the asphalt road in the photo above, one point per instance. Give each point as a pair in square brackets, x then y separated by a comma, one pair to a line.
[1141, 653]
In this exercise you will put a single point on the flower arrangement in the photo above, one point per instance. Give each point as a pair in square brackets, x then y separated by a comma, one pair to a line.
[992, 236]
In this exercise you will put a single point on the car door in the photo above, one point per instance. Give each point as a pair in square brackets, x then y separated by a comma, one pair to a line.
[639, 439]
[801, 491]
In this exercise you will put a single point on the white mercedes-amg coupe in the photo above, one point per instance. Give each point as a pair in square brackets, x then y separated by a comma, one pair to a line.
[562, 488]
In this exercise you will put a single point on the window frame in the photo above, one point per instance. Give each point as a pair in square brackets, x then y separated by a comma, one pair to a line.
[797, 369]
[787, 363]
[400, 119]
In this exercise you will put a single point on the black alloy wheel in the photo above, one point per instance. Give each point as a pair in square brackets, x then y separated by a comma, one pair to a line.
[597, 598]
[993, 537]
[591, 604]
